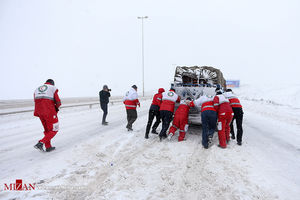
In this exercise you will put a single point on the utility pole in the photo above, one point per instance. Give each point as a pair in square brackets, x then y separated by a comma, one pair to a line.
[143, 74]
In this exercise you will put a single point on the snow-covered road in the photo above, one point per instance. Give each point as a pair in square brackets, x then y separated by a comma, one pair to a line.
[107, 162]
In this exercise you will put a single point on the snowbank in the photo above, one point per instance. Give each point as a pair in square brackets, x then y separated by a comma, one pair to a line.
[278, 94]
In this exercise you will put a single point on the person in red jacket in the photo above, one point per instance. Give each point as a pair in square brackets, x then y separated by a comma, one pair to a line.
[208, 118]
[224, 110]
[154, 112]
[166, 110]
[181, 119]
[47, 103]
[131, 101]
[238, 116]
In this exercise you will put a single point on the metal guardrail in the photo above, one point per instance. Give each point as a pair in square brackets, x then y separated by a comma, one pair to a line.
[15, 112]
[90, 104]
[63, 106]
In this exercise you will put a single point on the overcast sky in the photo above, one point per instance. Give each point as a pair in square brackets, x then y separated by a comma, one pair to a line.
[85, 44]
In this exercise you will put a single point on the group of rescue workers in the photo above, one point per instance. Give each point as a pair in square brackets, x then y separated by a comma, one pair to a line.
[216, 111]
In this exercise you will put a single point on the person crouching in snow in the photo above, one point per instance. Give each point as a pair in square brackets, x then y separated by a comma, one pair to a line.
[131, 101]
[225, 114]
[46, 104]
[208, 118]
[181, 119]
[154, 112]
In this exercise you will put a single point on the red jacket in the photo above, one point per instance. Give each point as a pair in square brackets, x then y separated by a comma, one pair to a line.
[168, 100]
[221, 104]
[182, 111]
[206, 103]
[158, 97]
[46, 100]
[131, 104]
[234, 101]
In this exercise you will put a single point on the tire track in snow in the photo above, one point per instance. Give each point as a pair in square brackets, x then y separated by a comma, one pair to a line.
[212, 174]
[17, 147]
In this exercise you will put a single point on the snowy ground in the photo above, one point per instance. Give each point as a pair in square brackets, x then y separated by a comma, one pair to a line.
[107, 162]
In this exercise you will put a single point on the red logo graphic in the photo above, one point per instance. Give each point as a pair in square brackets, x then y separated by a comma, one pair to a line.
[19, 186]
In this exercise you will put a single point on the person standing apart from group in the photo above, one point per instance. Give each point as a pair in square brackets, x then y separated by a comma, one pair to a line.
[169, 99]
[131, 101]
[225, 114]
[154, 112]
[104, 95]
[46, 107]
[238, 116]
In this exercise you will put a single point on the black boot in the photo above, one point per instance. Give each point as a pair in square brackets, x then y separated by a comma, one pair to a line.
[232, 136]
[50, 149]
[39, 146]
[146, 136]
[210, 138]
[161, 137]
[154, 132]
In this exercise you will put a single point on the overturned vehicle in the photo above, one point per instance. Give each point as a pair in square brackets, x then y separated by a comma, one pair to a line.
[194, 82]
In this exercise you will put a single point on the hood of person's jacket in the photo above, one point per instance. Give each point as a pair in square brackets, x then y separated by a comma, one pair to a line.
[161, 90]
[47, 83]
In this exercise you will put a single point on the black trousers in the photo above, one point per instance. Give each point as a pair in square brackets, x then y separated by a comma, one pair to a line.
[238, 117]
[104, 108]
[166, 117]
[131, 117]
[153, 112]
